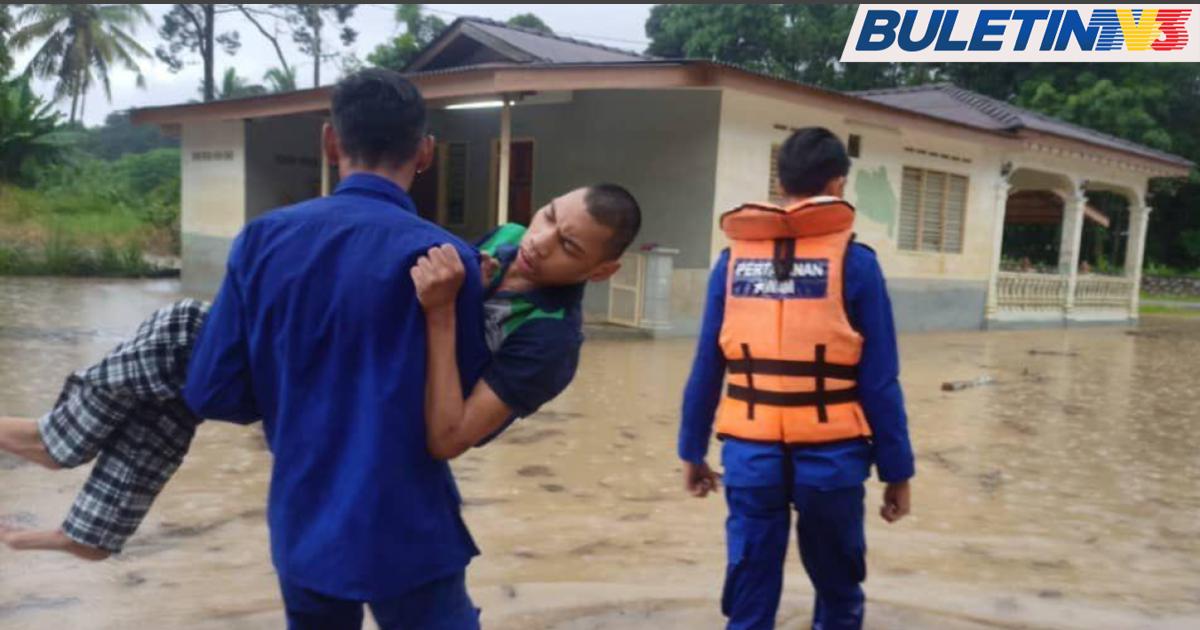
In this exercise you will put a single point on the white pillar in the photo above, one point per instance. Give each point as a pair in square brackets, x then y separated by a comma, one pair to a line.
[502, 176]
[1068, 251]
[1002, 190]
[1135, 251]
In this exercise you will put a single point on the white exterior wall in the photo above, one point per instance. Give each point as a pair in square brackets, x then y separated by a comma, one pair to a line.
[743, 169]
[212, 199]
[213, 190]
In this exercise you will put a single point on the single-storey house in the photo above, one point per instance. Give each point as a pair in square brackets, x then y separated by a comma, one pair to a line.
[939, 173]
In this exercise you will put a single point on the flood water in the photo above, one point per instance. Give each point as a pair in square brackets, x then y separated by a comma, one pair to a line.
[1064, 495]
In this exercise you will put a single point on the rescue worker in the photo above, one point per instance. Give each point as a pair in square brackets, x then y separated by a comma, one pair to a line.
[799, 325]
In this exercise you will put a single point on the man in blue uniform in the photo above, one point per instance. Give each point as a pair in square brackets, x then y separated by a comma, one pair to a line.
[317, 330]
[823, 481]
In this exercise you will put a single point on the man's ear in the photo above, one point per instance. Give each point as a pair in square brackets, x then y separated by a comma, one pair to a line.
[426, 152]
[605, 271]
[330, 145]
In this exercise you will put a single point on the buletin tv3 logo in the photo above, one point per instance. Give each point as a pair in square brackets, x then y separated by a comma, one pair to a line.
[755, 277]
[1024, 33]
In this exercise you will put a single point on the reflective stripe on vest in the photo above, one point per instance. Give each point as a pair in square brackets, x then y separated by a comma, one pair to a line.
[791, 352]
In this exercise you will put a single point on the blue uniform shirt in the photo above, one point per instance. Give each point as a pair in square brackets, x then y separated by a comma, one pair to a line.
[830, 466]
[318, 331]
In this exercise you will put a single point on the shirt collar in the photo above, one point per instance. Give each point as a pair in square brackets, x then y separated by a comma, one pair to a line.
[376, 186]
[546, 298]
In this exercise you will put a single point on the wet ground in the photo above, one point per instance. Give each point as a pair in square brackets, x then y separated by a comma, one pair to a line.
[1063, 495]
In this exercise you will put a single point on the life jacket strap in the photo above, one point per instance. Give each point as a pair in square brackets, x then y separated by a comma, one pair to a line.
[778, 367]
[750, 398]
[793, 399]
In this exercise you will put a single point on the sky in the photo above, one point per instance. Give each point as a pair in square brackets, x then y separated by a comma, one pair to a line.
[616, 25]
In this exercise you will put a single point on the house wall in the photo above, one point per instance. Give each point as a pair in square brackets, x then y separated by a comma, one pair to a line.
[283, 162]
[212, 199]
[661, 145]
[929, 290]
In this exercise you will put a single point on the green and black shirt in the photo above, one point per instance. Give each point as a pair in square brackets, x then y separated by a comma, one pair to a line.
[534, 336]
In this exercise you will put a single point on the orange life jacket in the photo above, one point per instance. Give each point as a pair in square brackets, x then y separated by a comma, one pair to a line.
[792, 354]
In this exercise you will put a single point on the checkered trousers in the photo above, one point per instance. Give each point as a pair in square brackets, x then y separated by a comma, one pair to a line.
[127, 413]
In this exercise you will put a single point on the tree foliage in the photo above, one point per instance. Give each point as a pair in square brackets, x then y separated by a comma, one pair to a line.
[531, 22]
[28, 131]
[79, 44]
[308, 22]
[6, 25]
[191, 29]
[1156, 104]
[419, 30]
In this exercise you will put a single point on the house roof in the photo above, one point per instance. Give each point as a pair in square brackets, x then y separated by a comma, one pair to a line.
[472, 40]
[950, 102]
[476, 57]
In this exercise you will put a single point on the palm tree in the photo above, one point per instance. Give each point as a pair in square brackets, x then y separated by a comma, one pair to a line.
[233, 86]
[280, 79]
[80, 44]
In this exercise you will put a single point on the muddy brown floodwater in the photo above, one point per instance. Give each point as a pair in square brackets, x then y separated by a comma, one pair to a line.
[1064, 495]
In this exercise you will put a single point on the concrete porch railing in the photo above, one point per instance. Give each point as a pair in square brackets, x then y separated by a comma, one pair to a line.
[1042, 294]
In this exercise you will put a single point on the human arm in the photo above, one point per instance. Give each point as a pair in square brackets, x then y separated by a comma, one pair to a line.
[453, 423]
[879, 379]
[218, 382]
[703, 390]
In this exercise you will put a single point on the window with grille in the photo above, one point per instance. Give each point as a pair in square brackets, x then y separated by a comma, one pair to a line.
[774, 188]
[933, 207]
[456, 183]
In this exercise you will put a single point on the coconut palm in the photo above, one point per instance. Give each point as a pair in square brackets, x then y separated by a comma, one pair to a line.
[233, 86]
[80, 44]
[280, 79]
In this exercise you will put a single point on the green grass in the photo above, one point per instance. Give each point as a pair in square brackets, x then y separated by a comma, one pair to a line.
[81, 231]
[1171, 298]
[1155, 309]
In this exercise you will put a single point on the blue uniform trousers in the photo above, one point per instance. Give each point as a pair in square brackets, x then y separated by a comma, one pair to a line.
[439, 605]
[829, 525]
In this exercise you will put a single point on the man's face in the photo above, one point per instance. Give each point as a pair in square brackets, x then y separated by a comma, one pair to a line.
[565, 245]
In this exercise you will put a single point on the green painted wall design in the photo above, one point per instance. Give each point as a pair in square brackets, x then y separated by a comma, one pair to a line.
[875, 199]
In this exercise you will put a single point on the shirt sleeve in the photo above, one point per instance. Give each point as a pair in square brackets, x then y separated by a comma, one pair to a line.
[870, 312]
[535, 363]
[703, 390]
[218, 382]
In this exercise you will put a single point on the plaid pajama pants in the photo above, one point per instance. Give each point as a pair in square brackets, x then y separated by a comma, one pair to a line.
[127, 413]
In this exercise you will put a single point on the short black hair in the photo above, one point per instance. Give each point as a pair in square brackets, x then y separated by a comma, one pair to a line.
[615, 208]
[379, 117]
[809, 160]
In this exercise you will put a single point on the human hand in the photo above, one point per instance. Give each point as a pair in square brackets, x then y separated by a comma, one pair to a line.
[438, 275]
[488, 266]
[699, 479]
[896, 502]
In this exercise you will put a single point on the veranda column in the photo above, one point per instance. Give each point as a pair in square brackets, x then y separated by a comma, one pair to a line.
[1002, 190]
[502, 175]
[1068, 251]
[1135, 251]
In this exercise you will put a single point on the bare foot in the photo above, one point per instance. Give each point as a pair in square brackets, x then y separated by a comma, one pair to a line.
[48, 540]
[20, 437]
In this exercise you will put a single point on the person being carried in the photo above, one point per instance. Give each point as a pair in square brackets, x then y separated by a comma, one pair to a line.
[127, 412]
[798, 322]
[532, 312]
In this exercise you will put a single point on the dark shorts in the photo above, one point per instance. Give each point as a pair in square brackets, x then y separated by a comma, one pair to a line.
[126, 413]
